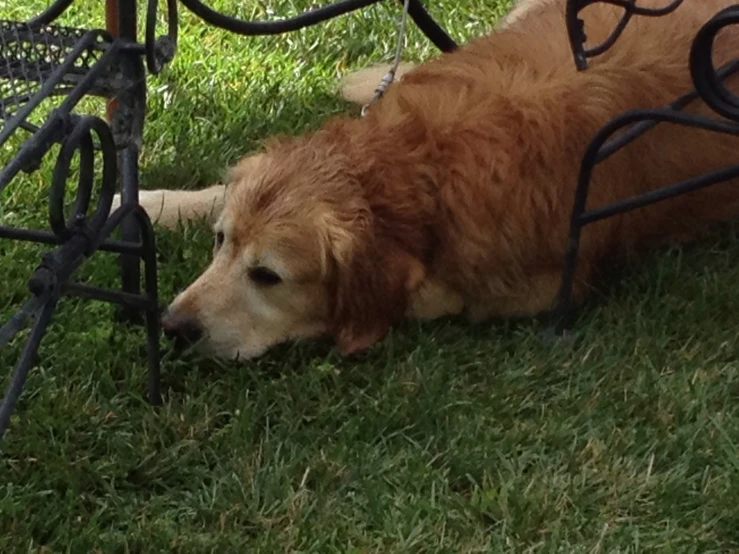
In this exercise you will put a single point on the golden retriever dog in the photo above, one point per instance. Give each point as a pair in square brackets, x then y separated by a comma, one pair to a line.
[452, 195]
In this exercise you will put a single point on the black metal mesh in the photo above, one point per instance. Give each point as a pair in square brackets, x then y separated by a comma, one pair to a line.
[28, 56]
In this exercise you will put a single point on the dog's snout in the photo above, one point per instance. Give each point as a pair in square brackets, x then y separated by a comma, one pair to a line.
[183, 329]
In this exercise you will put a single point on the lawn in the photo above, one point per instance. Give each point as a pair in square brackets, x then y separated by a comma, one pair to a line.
[446, 437]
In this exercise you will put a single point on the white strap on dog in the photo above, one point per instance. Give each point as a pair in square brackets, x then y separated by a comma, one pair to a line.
[389, 77]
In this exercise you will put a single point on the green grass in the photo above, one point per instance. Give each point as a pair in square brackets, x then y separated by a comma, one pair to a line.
[445, 437]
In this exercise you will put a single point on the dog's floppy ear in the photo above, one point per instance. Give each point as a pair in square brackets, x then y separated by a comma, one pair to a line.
[371, 294]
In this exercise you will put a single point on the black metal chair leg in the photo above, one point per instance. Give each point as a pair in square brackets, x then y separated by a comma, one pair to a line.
[153, 325]
[563, 307]
[130, 272]
[26, 362]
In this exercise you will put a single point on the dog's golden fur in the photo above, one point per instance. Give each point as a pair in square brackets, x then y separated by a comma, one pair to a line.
[453, 194]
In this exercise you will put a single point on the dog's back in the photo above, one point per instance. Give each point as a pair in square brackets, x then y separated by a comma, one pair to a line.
[510, 118]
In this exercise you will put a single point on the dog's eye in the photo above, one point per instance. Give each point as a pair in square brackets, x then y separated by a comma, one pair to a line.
[220, 237]
[264, 276]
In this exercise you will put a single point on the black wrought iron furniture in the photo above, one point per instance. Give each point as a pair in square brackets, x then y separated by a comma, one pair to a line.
[39, 61]
[708, 83]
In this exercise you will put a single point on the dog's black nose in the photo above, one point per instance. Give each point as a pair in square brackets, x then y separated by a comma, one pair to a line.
[182, 329]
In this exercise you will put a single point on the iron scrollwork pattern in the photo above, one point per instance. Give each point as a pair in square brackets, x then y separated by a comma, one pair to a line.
[708, 82]
[576, 26]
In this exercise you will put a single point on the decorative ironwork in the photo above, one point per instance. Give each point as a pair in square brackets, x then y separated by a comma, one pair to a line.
[160, 51]
[51, 13]
[709, 87]
[39, 60]
[418, 14]
[576, 26]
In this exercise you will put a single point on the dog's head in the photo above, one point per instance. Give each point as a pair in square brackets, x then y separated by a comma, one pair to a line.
[303, 248]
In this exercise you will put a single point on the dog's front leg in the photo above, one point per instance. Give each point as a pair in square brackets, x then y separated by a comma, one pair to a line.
[167, 208]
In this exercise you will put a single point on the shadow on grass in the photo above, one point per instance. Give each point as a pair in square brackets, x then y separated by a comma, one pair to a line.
[193, 150]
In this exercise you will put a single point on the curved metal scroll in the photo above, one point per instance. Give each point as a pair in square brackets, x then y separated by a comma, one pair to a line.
[51, 13]
[576, 26]
[305, 19]
[416, 10]
[707, 81]
[80, 139]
